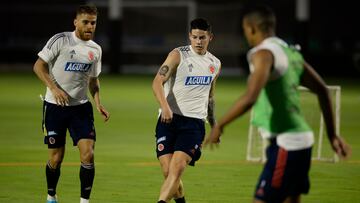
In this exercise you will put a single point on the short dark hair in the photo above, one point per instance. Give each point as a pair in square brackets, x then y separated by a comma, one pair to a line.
[87, 9]
[262, 16]
[201, 24]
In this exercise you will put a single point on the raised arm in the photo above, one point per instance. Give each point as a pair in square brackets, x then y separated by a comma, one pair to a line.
[94, 88]
[165, 72]
[315, 83]
[42, 71]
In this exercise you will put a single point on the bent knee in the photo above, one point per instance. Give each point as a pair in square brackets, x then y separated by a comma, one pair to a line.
[55, 161]
[87, 157]
[177, 169]
[56, 158]
[179, 164]
[165, 173]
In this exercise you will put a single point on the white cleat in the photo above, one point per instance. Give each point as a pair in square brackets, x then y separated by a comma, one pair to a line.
[52, 199]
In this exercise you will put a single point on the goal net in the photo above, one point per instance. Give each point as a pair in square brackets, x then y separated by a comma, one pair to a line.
[311, 110]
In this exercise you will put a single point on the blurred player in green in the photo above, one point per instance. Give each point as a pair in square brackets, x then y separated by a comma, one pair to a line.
[69, 66]
[277, 70]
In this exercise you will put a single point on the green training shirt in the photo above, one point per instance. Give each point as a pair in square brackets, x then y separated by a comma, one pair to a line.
[277, 109]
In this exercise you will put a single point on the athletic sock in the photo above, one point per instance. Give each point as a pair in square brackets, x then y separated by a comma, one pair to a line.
[82, 200]
[180, 200]
[52, 178]
[161, 201]
[87, 173]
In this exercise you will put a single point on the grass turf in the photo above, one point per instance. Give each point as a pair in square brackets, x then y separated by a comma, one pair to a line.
[126, 166]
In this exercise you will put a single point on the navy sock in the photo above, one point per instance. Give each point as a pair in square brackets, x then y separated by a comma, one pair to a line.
[161, 201]
[87, 174]
[52, 178]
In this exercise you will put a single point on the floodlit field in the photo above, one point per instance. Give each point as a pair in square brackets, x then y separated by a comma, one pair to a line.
[126, 166]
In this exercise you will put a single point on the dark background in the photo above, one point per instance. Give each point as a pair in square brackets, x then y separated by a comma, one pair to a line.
[140, 41]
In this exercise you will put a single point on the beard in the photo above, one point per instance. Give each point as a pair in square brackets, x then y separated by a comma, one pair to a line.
[86, 35]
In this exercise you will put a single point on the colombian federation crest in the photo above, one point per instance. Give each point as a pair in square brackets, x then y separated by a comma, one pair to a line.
[160, 147]
[212, 69]
[91, 55]
[52, 140]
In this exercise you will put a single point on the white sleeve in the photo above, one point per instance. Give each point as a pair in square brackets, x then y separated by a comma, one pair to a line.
[280, 61]
[280, 58]
[96, 70]
[52, 47]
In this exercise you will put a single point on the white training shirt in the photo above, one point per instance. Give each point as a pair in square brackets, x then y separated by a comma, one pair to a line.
[187, 91]
[71, 62]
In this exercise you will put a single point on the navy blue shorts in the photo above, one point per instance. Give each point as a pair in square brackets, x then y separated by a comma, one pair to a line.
[182, 134]
[286, 173]
[79, 120]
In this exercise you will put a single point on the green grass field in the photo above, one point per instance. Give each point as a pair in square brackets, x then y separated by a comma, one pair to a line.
[126, 166]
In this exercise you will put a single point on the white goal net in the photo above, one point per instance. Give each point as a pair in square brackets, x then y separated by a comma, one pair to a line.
[311, 110]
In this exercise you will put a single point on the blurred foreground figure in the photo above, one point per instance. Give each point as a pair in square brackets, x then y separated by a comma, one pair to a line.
[277, 70]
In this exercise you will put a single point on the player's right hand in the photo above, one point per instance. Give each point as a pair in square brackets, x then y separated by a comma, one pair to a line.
[166, 115]
[60, 96]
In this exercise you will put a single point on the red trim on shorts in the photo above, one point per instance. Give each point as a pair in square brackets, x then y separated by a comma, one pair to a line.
[279, 168]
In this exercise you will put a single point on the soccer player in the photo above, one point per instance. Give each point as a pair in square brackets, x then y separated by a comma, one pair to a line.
[184, 87]
[69, 65]
[277, 70]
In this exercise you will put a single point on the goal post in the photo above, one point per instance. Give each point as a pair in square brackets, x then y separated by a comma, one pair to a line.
[256, 146]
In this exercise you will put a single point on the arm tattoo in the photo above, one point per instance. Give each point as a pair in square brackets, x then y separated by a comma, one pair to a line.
[164, 70]
[211, 114]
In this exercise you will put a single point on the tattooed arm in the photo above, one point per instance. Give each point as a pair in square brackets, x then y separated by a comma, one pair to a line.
[211, 106]
[165, 72]
[211, 114]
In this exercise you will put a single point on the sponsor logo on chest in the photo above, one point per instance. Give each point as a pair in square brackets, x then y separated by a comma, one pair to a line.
[198, 80]
[77, 67]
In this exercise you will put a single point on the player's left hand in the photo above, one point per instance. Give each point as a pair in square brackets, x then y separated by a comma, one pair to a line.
[105, 114]
[341, 148]
[214, 137]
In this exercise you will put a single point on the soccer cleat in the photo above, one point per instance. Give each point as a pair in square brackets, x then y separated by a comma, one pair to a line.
[51, 199]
